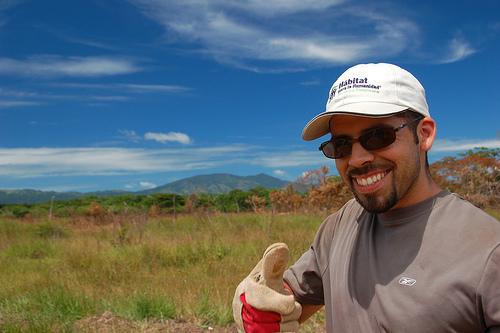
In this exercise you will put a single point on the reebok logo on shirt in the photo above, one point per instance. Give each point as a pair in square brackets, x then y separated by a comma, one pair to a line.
[406, 281]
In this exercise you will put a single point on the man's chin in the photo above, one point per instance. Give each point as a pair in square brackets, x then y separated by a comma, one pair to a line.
[375, 203]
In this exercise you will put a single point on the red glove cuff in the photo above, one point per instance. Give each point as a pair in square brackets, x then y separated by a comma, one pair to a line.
[258, 321]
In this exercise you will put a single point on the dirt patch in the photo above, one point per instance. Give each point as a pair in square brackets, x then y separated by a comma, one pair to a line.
[109, 322]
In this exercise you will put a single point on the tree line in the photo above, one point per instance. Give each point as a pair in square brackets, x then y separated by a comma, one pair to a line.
[475, 175]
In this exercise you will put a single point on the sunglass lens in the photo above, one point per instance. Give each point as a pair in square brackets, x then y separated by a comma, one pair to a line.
[328, 149]
[341, 147]
[378, 138]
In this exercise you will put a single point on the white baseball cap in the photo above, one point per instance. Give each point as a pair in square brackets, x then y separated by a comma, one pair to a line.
[370, 90]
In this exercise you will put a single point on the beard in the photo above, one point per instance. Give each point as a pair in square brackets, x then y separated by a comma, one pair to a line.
[403, 179]
[375, 204]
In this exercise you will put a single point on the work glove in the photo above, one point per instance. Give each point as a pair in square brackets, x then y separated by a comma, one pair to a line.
[261, 304]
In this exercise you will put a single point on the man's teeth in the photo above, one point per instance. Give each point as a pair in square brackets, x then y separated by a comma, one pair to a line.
[370, 180]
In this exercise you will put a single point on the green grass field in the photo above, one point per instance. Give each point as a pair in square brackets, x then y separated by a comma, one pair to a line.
[55, 273]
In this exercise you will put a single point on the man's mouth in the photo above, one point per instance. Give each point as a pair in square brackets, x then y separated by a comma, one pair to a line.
[369, 180]
[369, 183]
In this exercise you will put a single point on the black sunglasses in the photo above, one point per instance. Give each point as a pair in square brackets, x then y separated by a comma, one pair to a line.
[373, 139]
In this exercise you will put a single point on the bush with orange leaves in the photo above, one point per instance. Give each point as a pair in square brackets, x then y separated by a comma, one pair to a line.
[475, 176]
[325, 193]
[154, 211]
[258, 203]
[286, 200]
[329, 196]
[95, 210]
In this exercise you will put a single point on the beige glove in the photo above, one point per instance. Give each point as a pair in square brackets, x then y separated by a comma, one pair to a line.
[261, 303]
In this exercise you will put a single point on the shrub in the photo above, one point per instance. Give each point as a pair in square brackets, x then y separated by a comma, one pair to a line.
[475, 176]
[20, 211]
[95, 209]
[147, 307]
[286, 200]
[210, 314]
[50, 230]
[39, 310]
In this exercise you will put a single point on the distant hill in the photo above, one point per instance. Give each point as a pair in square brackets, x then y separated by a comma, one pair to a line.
[27, 196]
[218, 183]
[34, 196]
[214, 183]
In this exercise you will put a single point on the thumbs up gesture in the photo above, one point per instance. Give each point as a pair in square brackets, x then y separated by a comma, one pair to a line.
[261, 304]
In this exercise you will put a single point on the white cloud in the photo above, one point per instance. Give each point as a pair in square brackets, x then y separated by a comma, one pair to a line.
[328, 51]
[464, 145]
[17, 93]
[130, 135]
[239, 32]
[280, 7]
[284, 159]
[86, 42]
[458, 49]
[147, 185]
[310, 83]
[168, 137]
[163, 88]
[15, 104]
[304, 174]
[279, 172]
[109, 98]
[30, 98]
[50, 66]
[130, 87]
[37, 162]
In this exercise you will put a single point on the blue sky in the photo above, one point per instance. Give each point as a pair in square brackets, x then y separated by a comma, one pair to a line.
[129, 95]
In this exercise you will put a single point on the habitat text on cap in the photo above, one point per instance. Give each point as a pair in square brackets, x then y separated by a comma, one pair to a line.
[370, 90]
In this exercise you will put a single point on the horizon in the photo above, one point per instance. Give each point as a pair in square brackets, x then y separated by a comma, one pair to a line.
[153, 188]
[102, 96]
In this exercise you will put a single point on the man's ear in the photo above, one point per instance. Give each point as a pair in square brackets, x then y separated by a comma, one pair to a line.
[426, 133]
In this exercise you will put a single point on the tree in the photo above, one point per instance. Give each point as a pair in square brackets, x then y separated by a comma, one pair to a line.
[258, 203]
[475, 175]
[312, 178]
[330, 195]
[166, 201]
[285, 200]
[204, 202]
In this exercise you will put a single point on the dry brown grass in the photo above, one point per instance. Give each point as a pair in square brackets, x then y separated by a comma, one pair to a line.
[54, 273]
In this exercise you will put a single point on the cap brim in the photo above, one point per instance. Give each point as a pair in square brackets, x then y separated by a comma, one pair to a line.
[319, 125]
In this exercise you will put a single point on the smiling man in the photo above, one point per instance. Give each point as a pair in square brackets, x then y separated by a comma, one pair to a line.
[404, 255]
[394, 177]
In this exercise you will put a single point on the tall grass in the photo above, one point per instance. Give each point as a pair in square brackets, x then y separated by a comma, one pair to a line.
[54, 273]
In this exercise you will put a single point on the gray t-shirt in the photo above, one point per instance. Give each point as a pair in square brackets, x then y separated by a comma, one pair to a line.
[431, 267]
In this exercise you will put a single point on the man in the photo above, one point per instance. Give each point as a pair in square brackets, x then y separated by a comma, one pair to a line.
[404, 255]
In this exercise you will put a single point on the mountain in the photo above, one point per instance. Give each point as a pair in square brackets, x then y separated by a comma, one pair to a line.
[27, 196]
[34, 196]
[214, 183]
[218, 183]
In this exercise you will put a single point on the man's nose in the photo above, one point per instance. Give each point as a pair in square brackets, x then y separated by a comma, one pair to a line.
[359, 155]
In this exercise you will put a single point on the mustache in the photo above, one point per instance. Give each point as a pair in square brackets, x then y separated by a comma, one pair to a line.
[367, 168]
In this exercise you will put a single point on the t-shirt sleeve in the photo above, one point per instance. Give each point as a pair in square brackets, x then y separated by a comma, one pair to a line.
[304, 277]
[489, 291]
